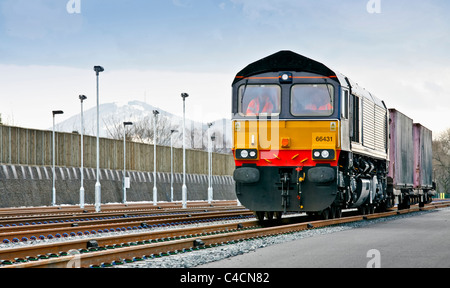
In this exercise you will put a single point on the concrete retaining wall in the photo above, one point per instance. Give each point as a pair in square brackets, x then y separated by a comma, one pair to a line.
[22, 185]
[22, 146]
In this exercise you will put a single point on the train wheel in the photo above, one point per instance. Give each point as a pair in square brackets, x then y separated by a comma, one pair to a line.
[338, 212]
[332, 212]
[278, 215]
[325, 214]
[260, 215]
[269, 216]
[383, 206]
[362, 210]
[405, 204]
[311, 215]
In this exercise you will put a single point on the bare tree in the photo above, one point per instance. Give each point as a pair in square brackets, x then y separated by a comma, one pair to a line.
[196, 133]
[145, 132]
[114, 129]
[441, 162]
[142, 130]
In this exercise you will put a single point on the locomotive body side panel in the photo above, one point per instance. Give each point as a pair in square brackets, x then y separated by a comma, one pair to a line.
[371, 115]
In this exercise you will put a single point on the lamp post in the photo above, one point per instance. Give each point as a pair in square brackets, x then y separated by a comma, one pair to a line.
[210, 189]
[184, 188]
[155, 190]
[82, 98]
[125, 124]
[209, 162]
[55, 112]
[171, 164]
[97, 70]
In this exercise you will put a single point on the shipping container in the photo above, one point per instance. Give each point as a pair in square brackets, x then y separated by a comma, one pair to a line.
[423, 157]
[401, 165]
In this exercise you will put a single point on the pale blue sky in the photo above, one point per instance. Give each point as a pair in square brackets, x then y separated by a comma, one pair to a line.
[153, 50]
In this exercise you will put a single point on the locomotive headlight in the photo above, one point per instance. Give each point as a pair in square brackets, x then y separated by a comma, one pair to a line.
[285, 78]
[325, 154]
[247, 154]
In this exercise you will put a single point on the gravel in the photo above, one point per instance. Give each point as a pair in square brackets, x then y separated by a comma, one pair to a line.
[204, 256]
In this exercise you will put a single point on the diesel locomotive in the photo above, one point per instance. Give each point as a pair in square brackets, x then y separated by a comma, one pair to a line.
[308, 139]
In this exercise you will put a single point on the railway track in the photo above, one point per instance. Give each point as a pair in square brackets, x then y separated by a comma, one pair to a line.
[124, 223]
[6, 213]
[23, 229]
[119, 249]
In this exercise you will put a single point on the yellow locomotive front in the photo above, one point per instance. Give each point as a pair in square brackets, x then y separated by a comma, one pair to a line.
[286, 135]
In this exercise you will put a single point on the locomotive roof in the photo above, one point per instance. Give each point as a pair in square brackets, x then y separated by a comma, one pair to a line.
[284, 61]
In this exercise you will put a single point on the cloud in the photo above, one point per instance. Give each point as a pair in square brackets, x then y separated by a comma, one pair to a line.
[257, 9]
[181, 3]
[47, 88]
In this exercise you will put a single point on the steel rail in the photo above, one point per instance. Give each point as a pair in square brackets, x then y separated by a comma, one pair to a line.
[46, 229]
[82, 218]
[5, 213]
[104, 241]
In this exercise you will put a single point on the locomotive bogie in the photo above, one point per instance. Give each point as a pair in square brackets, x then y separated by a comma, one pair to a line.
[364, 181]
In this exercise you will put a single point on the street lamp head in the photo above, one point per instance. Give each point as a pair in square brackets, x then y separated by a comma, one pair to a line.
[98, 69]
[82, 97]
[210, 124]
[127, 123]
[184, 95]
[155, 112]
[54, 112]
[213, 137]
